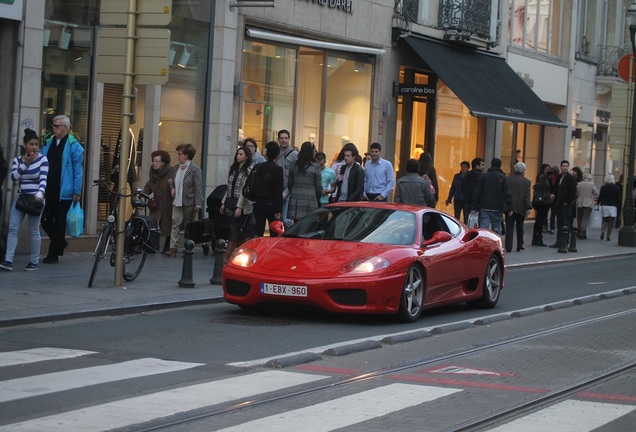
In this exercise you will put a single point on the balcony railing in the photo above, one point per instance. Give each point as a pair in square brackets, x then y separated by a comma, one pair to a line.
[405, 13]
[609, 55]
[466, 17]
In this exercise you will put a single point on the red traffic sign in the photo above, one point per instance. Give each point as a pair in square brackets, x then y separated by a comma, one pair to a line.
[623, 67]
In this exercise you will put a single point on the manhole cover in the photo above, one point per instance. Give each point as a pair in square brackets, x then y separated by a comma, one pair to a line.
[251, 321]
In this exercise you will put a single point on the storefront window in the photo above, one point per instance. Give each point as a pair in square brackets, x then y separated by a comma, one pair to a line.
[183, 99]
[66, 67]
[269, 76]
[307, 91]
[459, 136]
[528, 143]
[582, 148]
[347, 105]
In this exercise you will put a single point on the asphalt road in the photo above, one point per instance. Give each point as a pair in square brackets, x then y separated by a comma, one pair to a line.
[224, 333]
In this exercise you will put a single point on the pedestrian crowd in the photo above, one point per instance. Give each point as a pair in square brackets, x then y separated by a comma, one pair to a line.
[285, 183]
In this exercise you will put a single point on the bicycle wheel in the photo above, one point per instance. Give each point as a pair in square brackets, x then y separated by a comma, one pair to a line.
[100, 251]
[133, 263]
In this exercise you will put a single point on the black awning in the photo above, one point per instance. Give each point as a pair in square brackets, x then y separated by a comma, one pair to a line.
[484, 83]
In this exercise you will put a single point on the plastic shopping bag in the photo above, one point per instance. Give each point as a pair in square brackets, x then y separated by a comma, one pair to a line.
[473, 219]
[75, 220]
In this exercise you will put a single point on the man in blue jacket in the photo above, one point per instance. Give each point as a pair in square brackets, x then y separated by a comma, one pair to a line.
[64, 184]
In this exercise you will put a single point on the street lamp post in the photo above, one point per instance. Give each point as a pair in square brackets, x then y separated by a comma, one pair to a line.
[627, 234]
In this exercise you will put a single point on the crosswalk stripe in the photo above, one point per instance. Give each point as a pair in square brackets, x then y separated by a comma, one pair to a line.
[37, 385]
[348, 410]
[141, 409]
[567, 416]
[35, 355]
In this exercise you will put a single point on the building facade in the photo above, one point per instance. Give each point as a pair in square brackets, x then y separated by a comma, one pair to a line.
[456, 79]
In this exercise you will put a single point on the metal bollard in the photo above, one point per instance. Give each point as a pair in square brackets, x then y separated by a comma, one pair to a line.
[186, 272]
[563, 239]
[219, 250]
[573, 233]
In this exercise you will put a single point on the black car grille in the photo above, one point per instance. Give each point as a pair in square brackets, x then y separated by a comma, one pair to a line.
[349, 297]
[237, 288]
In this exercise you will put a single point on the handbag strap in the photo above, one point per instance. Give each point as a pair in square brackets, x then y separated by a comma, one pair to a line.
[236, 174]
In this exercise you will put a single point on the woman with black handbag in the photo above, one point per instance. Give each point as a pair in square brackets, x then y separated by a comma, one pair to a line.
[235, 205]
[541, 203]
[30, 171]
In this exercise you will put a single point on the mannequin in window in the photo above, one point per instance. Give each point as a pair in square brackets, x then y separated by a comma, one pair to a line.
[343, 141]
[241, 138]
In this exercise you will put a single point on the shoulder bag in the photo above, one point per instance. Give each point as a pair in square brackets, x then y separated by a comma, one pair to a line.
[26, 203]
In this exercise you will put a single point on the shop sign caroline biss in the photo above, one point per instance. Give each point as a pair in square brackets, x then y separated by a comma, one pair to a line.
[343, 5]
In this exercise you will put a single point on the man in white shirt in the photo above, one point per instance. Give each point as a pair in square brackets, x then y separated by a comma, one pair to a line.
[286, 160]
[379, 178]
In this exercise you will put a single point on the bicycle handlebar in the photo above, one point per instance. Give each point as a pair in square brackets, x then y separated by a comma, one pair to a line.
[137, 193]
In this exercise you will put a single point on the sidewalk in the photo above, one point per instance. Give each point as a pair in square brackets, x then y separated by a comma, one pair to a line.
[59, 291]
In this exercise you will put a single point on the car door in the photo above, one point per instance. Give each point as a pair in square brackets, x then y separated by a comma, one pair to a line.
[443, 262]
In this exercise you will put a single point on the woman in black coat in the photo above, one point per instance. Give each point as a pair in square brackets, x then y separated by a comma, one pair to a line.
[609, 198]
[268, 190]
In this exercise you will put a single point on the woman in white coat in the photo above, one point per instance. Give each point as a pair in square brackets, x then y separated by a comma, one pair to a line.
[586, 194]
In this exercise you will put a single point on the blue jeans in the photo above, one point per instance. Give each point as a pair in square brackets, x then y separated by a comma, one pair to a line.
[490, 219]
[284, 212]
[15, 219]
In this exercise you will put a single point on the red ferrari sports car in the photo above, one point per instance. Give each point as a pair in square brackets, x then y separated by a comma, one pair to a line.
[368, 257]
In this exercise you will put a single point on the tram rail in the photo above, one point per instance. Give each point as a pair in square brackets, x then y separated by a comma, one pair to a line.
[475, 424]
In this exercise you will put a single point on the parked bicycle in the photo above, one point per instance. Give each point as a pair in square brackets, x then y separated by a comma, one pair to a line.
[141, 235]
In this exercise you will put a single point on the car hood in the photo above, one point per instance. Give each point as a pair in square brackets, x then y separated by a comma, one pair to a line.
[313, 257]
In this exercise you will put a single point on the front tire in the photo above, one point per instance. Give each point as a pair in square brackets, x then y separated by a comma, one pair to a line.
[493, 280]
[412, 297]
[99, 253]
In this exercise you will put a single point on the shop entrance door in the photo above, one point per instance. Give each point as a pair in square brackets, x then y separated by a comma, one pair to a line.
[417, 117]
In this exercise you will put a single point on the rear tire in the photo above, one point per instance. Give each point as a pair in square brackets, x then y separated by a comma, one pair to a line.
[99, 253]
[412, 297]
[133, 263]
[493, 279]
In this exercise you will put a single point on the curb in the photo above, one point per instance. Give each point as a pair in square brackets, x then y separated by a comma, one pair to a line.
[125, 310]
[569, 260]
[413, 335]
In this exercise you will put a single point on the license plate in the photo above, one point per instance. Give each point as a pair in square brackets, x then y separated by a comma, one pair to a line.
[284, 290]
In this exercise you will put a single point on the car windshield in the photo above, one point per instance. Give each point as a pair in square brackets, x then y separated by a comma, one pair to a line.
[359, 224]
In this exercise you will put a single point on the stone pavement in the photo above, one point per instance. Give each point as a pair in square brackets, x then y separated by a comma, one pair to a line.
[59, 291]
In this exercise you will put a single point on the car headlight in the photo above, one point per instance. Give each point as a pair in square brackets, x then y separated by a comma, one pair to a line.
[366, 265]
[244, 257]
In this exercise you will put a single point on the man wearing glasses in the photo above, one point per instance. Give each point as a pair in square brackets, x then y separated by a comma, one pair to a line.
[64, 184]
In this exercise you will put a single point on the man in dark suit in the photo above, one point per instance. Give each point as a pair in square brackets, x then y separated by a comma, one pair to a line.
[350, 180]
[564, 199]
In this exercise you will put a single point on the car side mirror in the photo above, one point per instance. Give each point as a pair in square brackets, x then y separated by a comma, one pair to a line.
[438, 238]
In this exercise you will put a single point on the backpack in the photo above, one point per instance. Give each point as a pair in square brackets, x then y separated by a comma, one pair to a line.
[145, 229]
[250, 182]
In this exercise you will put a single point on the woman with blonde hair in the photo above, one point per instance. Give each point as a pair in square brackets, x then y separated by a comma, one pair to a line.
[610, 200]
[586, 192]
